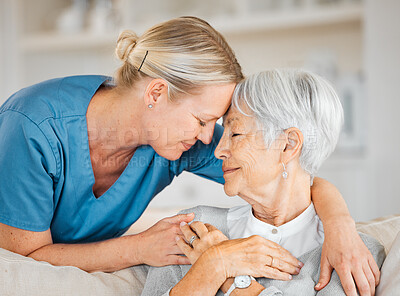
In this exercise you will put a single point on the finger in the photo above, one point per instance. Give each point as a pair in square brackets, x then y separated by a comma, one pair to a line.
[210, 227]
[175, 250]
[185, 248]
[179, 218]
[361, 281]
[284, 266]
[177, 260]
[370, 278]
[273, 273]
[325, 274]
[277, 251]
[187, 231]
[375, 270]
[199, 228]
[347, 281]
[283, 255]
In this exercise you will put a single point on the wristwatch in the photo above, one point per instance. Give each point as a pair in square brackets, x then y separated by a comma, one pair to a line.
[240, 282]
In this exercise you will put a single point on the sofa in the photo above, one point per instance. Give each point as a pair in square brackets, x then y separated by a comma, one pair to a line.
[25, 276]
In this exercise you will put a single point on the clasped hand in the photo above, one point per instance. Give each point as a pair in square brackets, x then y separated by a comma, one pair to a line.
[254, 255]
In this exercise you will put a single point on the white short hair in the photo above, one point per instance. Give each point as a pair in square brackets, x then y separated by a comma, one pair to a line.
[283, 98]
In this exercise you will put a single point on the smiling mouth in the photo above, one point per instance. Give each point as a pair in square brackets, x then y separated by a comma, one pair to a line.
[229, 171]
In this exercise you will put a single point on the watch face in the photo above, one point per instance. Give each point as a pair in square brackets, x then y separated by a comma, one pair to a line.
[242, 281]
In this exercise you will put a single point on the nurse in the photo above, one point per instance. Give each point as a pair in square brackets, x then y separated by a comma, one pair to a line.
[81, 157]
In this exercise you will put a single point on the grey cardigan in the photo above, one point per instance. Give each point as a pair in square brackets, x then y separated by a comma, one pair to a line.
[160, 280]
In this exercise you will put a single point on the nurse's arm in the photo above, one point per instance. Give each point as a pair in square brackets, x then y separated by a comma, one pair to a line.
[345, 252]
[329, 203]
[155, 246]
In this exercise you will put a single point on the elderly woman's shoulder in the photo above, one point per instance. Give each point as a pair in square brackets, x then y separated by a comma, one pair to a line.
[206, 211]
[208, 214]
[375, 247]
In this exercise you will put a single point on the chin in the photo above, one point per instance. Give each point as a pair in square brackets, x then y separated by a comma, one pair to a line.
[169, 154]
[230, 191]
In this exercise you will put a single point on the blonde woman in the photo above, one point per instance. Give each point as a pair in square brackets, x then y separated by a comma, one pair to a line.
[83, 156]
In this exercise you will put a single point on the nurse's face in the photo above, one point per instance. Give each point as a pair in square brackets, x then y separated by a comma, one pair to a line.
[189, 118]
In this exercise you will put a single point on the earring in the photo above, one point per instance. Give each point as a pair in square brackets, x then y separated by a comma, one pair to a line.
[284, 173]
[150, 106]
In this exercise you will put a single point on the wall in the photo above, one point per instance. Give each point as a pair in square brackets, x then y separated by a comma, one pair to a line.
[9, 61]
[366, 177]
[382, 68]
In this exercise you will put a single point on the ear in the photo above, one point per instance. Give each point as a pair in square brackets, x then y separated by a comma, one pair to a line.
[294, 143]
[156, 92]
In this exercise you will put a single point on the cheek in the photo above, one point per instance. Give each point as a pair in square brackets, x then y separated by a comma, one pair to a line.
[247, 159]
[257, 166]
[184, 127]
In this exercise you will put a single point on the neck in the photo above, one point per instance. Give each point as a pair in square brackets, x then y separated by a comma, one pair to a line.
[283, 201]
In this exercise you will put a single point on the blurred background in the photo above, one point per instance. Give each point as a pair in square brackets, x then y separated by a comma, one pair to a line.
[354, 44]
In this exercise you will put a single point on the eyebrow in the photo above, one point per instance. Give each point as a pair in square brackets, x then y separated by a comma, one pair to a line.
[229, 121]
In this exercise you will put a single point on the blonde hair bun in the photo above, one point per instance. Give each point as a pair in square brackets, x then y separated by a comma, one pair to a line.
[126, 42]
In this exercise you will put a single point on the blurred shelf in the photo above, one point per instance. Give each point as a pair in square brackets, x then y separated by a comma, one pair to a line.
[242, 24]
[292, 19]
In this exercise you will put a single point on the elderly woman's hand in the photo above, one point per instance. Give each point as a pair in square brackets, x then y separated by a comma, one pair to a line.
[206, 236]
[254, 256]
[351, 259]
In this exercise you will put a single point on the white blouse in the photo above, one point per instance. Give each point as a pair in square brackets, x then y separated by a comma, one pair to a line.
[298, 236]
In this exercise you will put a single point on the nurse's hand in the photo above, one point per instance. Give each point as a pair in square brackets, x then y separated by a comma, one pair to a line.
[158, 245]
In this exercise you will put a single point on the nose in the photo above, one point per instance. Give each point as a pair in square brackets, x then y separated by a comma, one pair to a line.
[222, 151]
[206, 134]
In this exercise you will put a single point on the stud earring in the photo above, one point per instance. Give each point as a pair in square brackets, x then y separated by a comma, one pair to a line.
[150, 106]
[284, 173]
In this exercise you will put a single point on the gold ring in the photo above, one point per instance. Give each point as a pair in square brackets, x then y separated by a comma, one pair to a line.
[272, 261]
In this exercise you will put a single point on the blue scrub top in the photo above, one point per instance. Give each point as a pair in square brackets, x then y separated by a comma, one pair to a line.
[46, 176]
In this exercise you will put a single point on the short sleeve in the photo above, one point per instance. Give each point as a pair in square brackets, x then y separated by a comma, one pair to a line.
[28, 167]
[200, 159]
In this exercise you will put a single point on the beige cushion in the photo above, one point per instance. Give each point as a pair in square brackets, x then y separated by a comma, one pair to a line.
[20, 275]
[390, 275]
[384, 229]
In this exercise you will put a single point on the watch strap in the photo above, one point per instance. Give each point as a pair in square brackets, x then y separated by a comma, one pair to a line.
[233, 287]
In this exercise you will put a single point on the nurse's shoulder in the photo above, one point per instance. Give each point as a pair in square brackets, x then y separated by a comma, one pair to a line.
[54, 98]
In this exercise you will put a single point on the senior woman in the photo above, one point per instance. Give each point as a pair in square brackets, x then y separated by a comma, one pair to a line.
[82, 157]
[280, 128]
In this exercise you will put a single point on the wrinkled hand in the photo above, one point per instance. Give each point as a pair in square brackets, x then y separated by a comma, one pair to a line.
[258, 257]
[207, 234]
[158, 244]
[254, 256]
[348, 255]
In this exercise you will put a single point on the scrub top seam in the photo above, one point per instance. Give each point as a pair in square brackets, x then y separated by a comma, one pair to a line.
[48, 142]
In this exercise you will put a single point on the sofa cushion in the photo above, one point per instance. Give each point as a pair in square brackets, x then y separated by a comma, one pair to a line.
[384, 229]
[20, 275]
[390, 275]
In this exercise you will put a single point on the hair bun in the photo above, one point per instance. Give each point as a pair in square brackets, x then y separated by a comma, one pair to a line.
[126, 42]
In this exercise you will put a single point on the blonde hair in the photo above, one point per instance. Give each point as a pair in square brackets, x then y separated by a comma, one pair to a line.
[186, 52]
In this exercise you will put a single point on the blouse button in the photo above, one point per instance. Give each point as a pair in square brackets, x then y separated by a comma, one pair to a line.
[274, 231]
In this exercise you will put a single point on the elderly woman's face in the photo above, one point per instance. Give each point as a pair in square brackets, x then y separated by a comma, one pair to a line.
[248, 165]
